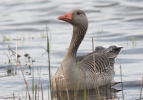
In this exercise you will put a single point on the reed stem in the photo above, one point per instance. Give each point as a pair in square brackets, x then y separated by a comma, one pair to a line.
[121, 82]
[49, 66]
[42, 91]
[65, 83]
[96, 81]
[27, 88]
[141, 88]
[13, 96]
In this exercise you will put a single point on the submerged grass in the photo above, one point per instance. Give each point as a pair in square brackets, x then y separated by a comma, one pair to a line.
[85, 95]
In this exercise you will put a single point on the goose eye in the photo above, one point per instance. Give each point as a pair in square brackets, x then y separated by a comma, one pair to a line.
[78, 13]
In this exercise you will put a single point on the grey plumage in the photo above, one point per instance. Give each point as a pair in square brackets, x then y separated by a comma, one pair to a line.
[84, 72]
[98, 49]
[104, 64]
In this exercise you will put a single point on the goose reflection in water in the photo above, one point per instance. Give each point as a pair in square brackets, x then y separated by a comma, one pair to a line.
[106, 93]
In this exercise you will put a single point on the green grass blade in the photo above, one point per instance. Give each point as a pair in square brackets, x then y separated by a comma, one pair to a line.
[85, 96]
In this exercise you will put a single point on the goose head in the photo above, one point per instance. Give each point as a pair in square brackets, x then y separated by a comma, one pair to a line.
[75, 17]
[79, 21]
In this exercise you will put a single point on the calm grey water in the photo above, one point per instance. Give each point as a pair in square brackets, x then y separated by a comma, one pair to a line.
[110, 22]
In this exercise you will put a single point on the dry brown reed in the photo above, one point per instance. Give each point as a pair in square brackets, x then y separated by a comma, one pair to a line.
[65, 82]
[27, 88]
[42, 92]
[121, 82]
[95, 77]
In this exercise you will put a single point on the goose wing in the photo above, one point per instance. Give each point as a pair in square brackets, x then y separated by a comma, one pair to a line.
[98, 49]
[103, 59]
[100, 60]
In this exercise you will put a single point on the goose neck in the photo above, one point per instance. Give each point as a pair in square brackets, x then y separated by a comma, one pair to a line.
[77, 37]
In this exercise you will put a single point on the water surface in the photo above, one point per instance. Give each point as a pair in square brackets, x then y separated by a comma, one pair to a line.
[110, 22]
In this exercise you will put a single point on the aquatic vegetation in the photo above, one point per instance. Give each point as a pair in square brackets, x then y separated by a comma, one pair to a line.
[122, 82]
[4, 38]
[9, 58]
[141, 88]
[49, 66]
[95, 77]
[9, 71]
[43, 35]
[37, 88]
[133, 41]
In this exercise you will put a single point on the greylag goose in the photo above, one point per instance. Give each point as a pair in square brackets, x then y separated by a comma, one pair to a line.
[82, 72]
